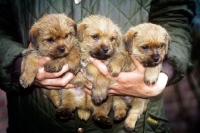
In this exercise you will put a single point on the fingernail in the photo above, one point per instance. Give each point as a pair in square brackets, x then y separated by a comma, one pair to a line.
[91, 59]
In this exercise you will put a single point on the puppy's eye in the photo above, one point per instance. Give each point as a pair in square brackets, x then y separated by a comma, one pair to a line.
[50, 40]
[144, 47]
[66, 36]
[161, 46]
[112, 39]
[95, 37]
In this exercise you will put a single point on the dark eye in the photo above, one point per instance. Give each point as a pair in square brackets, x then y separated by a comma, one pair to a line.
[112, 39]
[95, 37]
[50, 40]
[66, 36]
[145, 47]
[161, 46]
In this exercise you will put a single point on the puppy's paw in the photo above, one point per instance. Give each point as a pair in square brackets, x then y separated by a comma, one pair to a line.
[98, 95]
[105, 120]
[150, 80]
[114, 71]
[53, 67]
[25, 82]
[129, 123]
[64, 113]
[119, 114]
[74, 69]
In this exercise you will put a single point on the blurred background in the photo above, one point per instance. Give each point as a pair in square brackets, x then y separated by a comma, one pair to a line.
[182, 100]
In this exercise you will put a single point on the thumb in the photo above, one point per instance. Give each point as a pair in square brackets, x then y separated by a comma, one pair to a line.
[138, 65]
[99, 65]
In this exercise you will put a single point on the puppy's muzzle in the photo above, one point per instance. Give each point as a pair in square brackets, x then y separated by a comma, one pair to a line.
[155, 58]
[61, 49]
[104, 49]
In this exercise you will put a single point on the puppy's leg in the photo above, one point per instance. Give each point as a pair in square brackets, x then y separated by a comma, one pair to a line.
[30, 68]
[116, 64]
[53, 95]
[119, 107]
[151, 74]
[100, 114]
[100, 84]
[83, 114]
[74, 60]
[138, 106]
[67, 106]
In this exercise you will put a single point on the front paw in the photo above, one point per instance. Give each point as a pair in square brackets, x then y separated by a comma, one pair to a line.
[74, 68]
[150, 80]
[25, 81]
[114, 71]
[52, 67]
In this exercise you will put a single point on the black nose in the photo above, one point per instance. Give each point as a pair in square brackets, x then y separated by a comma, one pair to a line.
[155, 58]
[104, 49]
[62, 49]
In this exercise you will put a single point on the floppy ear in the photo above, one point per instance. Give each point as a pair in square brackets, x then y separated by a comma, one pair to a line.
[80, 31]
[169, 41]
[128, 39]
[33, 33]
[73, 25]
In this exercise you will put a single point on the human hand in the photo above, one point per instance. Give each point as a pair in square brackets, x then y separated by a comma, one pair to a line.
[56, 80]
[132, 83]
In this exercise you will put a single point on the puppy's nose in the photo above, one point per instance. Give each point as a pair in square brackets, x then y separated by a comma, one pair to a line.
[155, 58]
[61, 49]
[104, 49]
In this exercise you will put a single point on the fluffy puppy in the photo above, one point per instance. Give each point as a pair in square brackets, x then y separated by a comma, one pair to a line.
[54, 36]
[100, 38]
[149, 44]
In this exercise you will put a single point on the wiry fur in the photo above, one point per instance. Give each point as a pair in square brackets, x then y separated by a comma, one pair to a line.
[54, 35]
[101, 39]
[149, 44]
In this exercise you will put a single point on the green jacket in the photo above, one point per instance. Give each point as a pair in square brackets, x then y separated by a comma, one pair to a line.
[30, 112]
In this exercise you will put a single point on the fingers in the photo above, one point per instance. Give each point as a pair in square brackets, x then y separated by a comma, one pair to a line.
[42, 74]
[61, 81]
[101, 66]
[138, 65]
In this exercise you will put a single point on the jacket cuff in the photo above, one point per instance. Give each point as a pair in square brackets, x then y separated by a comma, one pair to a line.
[15, 70]
[168, 69]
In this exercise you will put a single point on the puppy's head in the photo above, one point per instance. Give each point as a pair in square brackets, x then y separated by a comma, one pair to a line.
[52, 35]
[148, 43]
[100, 35]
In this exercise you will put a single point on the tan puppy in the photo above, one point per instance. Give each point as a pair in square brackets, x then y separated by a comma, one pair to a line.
[101, 39]
[149, 44]
[53, 36]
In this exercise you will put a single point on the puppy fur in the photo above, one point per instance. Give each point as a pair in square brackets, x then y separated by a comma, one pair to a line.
[100, 38]
[149, 44]
[54, 36]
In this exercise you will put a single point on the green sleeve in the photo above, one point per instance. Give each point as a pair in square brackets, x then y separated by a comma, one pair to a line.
[176, 17]
[9, 48]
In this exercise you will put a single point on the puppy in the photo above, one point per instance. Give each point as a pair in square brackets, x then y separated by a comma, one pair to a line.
[100, 38]
[149, 44]
[54, 36]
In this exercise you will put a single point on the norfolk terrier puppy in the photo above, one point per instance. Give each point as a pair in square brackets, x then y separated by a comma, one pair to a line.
[54, 36]
[149, 44]
[100, 38]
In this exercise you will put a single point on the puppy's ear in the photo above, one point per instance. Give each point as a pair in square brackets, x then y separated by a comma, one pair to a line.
[80, 31]
[128, 40]
[169, 42]
[33, 33]
[73, 25]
